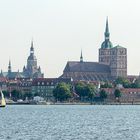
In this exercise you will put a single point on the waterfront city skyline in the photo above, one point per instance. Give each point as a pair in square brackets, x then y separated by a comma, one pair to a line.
[60, 29]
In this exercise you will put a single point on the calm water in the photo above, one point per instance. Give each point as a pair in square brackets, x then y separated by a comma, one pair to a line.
[70, 122]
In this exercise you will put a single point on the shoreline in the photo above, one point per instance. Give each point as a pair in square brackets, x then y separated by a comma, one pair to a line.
[104, 103]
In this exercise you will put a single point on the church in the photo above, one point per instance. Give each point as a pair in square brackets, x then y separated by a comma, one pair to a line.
[30, 71]
[112, 63]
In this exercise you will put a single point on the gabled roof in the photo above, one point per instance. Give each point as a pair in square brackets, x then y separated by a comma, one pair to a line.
[4, 74]
[76, 66]
[13, 75]
[118, 46]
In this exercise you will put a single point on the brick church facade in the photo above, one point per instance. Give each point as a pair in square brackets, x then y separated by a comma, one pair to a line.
[112, 63]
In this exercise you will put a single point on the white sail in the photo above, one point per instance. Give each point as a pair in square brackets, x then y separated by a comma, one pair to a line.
[3, 103]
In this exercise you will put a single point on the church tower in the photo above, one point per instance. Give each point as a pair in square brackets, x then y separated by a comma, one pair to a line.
[31, 61]
[32, 70]
[118, 65]
[104, 51]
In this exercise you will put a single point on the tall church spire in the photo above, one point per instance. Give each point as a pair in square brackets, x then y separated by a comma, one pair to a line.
[106, 44]
[107, 34]
[81, 57]
[32, 48]
[9, 67]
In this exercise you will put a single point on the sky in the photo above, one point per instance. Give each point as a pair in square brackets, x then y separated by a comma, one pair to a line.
[61, 28]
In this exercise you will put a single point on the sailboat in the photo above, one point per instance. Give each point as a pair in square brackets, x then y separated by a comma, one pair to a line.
[2, 101]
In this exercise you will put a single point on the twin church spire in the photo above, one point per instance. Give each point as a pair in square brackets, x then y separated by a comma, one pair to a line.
[106, 44]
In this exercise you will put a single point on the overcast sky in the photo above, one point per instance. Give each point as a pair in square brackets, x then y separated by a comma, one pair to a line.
[61, 28]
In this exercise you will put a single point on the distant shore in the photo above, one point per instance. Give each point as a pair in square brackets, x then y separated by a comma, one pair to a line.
[76, 103]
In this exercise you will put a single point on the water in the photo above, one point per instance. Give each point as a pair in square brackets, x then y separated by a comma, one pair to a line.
[70, 122]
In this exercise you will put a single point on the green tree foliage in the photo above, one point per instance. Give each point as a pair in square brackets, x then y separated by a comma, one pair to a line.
[117, 93]
[28, 95]
[136, 84]
[123, 81]
[106, 85]
[62, 92]
[103, 94]
[85, 90]
[36, 94]
[80, 89]
[6, 94]
[90, 91]
[15, 94]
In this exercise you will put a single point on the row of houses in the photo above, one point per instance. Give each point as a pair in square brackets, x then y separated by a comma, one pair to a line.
[39, 86]
[127, 94]
[44, 87]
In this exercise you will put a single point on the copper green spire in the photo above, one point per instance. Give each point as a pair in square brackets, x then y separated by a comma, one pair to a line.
[107, 34]
[106, 44]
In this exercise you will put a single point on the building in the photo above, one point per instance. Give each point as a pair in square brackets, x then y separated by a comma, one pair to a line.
[114, 57]
[30, 71]
[25, 85]
[128, 95]
[3, 83]
[44, 86]
[112, 63]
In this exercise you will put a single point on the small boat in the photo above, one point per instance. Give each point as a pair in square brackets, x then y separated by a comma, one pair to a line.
[2, 101]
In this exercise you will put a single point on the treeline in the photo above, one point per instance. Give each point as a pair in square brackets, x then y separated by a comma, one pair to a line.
[81, 91]
[124, 82]
[17, 94]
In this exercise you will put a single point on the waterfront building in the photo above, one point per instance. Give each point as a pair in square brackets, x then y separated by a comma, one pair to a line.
[128, 95]
[112, 63]
[44, 86]
[3, 83]
[25, 85]
[114, 57]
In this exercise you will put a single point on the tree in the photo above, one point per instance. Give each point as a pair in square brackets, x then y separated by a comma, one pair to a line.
[85, 91]
[90, 91]
[6, 94]
[62, 92]
[117, 93]
[106, 85]
[27, 95]
[136, 84]
[80, 89]
[36, 94]
[123, 81]
[15, 94]
[103, 94]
